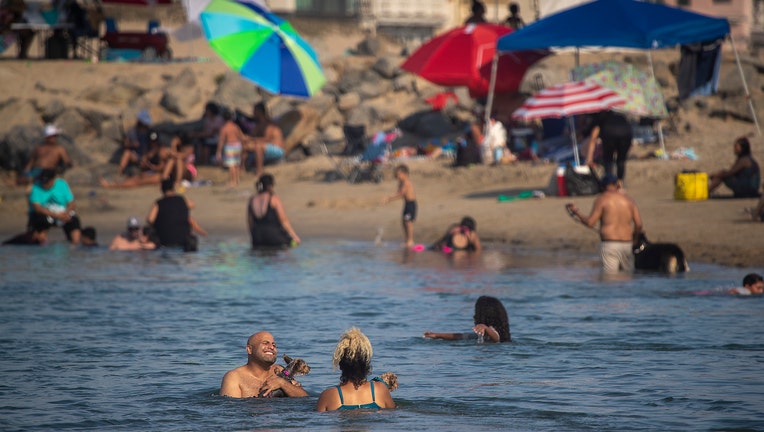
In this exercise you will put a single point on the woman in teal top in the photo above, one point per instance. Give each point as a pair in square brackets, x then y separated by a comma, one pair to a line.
[353, 356]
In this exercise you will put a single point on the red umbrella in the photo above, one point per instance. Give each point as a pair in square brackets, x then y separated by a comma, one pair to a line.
[567, 100]
[462, 57]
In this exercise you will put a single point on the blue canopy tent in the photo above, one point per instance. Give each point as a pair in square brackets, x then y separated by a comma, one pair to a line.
[623, 24]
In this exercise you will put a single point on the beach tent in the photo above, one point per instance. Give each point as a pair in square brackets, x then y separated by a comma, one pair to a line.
[621, 24]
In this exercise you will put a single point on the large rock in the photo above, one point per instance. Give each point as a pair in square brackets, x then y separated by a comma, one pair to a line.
[17, 144]
[370, 90]
[331, 117]
[362, 115]
[404, 83]
[350, 79]
[72, 123]
[297, 125]
[388, 66]
[348, 101]
[118, 93]
[181, 94]
[730, 83]
[236, 92]
[369, 46]
[18, 112]
[278, 106]
[52, 109]
[99, 149]
[321, 101]
[540, 77]
[333, 133]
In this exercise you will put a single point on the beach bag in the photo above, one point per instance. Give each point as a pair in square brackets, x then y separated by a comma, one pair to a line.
[691, 186]
[581, 181]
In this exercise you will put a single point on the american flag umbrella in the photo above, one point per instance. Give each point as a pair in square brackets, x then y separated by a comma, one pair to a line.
[568, 100]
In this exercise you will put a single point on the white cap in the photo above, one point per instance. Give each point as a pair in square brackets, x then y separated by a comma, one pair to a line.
[51, 130]
[133, 222]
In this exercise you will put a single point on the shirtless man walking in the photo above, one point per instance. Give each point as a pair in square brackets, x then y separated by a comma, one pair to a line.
[268, 142]
[620, 224]
[47, 155]
[258, 376]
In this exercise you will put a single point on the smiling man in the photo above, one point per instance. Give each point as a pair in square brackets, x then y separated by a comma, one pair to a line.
[258, 376]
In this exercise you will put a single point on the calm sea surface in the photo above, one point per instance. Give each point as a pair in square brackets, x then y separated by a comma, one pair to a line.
[98, 340]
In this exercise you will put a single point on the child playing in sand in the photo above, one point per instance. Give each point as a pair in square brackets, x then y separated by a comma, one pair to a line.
[405, 191]
[231, 138]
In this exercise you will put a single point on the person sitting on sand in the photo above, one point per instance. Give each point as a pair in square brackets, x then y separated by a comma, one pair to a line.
[743, 177]
[490, 320]
[266, 219]
[230, 141]
[459, 237]
[47, 155]
[51, 203]
[212, 121]
[258, 377]
[180, 165]
[152, 164]
[268, 142]
[132, 239]
[136, 141]
[171, 220]
[353, 356]
[753, 283]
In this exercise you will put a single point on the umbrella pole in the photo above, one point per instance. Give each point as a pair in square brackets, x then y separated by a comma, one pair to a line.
[491, 90]
[745, 86]
[660, 124]
[573, 140]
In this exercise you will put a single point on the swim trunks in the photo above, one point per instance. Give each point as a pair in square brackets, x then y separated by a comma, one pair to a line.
[272, 153]
[409, 211]
[232, 154]
[617, 256]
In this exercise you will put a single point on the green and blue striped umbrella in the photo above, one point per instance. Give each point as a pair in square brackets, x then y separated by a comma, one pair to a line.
[262, 47]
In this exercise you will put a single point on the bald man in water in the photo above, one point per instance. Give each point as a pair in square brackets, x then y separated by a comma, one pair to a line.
[258, 376]
[620, 225]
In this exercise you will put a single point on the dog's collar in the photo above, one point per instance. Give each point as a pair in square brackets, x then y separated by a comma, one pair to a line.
[285, 372]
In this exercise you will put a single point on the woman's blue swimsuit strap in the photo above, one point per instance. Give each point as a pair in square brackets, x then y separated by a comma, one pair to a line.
[372, 405]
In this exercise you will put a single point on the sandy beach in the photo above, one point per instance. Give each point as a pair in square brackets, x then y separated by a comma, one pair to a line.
[711, 231]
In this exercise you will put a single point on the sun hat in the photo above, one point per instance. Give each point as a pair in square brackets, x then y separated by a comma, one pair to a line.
[51, 130]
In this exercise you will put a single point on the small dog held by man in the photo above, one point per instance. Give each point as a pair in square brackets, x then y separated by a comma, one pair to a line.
[294, 367]
[662, 257]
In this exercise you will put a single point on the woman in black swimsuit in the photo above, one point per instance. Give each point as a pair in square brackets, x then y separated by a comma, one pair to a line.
[460, 237]
[266, 219]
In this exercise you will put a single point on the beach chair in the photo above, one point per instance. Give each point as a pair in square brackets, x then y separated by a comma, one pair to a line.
[369, 165]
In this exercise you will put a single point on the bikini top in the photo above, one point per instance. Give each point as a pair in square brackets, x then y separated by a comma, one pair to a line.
[372, 405]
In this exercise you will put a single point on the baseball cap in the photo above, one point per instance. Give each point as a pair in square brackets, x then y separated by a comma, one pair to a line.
[608, 179]
[51, 130]
[133, 223]
[144, 117]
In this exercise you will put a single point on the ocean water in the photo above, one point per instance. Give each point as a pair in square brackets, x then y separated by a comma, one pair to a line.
[99, 340]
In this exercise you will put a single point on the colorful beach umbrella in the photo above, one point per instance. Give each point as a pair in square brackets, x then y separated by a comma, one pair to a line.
[262, 47]
[568, 100]
[462, 57]
[640, 90]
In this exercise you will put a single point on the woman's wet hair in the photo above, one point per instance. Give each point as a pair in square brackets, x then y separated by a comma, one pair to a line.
[490, 311]
[264, 183]
[745, 146]
[353, 356]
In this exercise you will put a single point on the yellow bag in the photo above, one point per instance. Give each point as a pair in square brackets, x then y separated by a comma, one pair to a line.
[691, 186]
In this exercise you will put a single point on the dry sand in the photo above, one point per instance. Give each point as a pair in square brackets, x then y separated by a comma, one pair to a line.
[712, 231]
